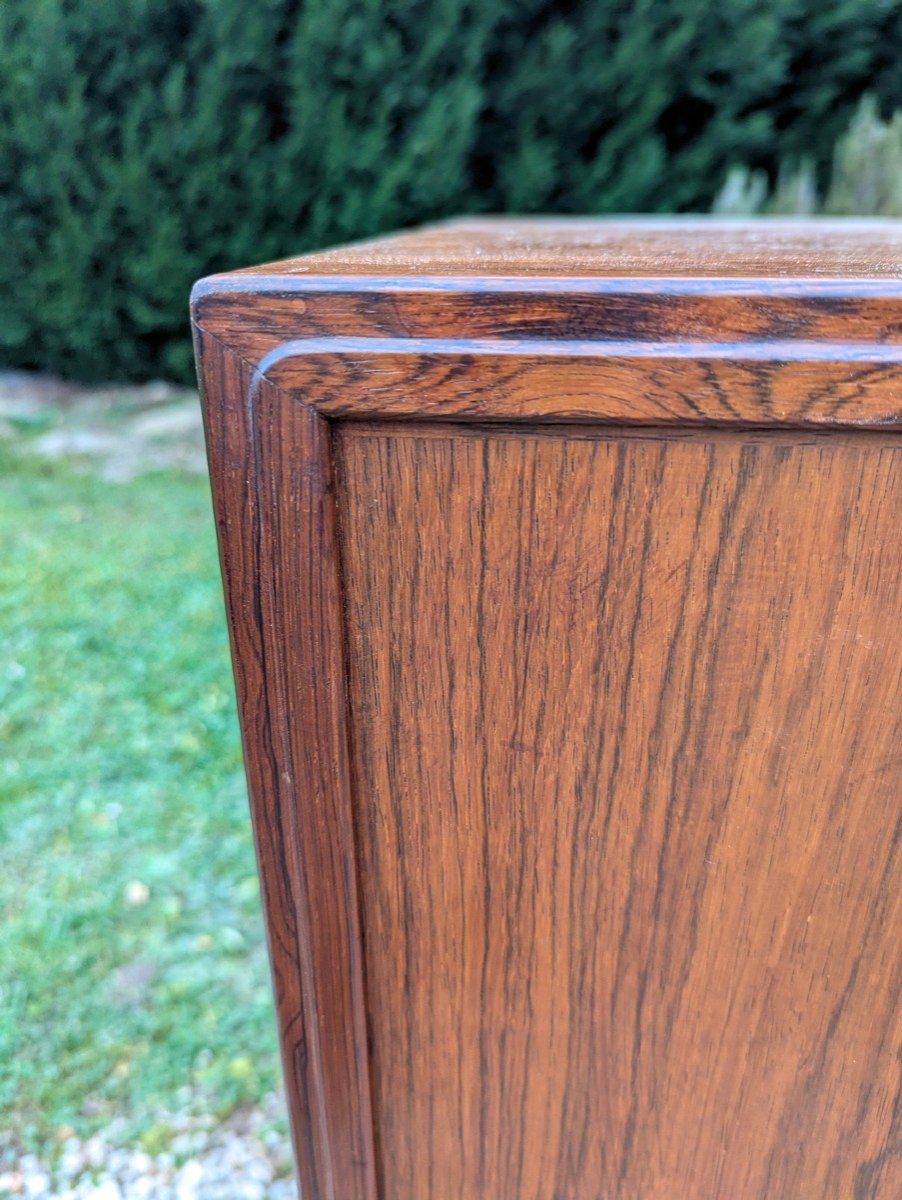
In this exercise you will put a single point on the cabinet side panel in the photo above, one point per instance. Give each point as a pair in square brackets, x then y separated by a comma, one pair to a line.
[626, 715]
[271, 473]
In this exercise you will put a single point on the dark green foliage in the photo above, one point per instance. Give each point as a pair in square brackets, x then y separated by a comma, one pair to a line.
[146, 142]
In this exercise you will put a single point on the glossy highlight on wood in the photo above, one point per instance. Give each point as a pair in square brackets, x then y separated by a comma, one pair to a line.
[564, 568]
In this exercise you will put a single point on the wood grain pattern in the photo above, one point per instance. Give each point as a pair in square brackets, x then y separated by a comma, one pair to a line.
[622, 383]
[627, 728]
[255, 313]
[596, 894]
[637, 247]
[271, 471]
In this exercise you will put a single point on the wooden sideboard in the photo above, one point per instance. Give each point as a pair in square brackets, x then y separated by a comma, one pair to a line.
[563, 562]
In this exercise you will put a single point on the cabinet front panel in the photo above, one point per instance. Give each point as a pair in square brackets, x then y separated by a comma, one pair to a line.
[625, 735]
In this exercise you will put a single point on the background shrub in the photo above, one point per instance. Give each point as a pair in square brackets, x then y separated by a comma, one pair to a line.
[865, 178]
[147, 142]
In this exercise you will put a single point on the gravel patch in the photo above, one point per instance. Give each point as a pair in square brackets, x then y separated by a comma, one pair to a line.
[243, 1158]
[116, 430]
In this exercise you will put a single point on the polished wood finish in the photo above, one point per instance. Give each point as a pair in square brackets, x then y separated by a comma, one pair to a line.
[271, 472]
[563, 570]
[627, 729]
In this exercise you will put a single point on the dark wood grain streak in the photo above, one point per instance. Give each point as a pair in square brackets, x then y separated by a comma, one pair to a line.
[256, 313]
[627, 722]
[271, 470]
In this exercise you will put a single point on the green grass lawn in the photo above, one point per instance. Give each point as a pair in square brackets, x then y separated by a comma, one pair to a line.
[133, 975]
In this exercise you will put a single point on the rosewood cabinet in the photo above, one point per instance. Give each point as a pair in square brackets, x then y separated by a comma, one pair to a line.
[563, 562]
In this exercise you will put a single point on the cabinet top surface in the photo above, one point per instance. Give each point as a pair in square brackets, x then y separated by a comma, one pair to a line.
[618, 247]
[769, 322]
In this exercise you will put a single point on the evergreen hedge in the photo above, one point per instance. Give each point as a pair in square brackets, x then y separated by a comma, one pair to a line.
[146, 142]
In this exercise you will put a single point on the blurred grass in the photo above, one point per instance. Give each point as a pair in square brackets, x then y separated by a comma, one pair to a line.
[133, 977]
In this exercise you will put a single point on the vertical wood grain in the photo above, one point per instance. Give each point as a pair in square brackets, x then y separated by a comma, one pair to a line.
[270, 461]
[626, 717]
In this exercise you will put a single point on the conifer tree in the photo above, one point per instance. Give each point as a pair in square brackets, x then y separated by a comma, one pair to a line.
[147, 142]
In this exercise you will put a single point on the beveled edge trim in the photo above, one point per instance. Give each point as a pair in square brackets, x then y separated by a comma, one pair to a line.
[781, 351]
[326, 1068]
[777, 384]
[828, 287]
